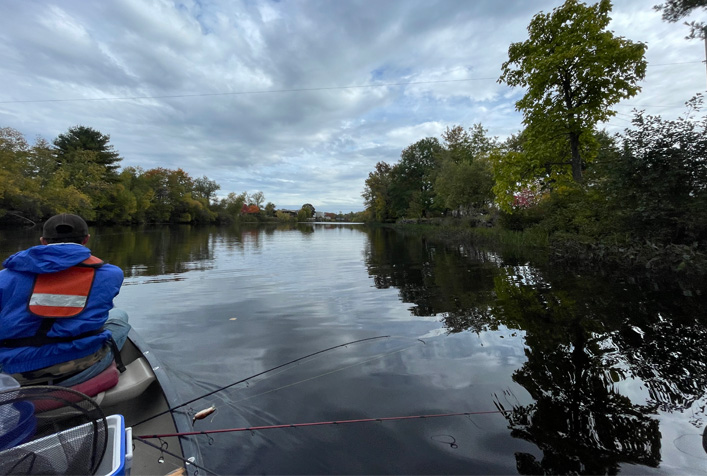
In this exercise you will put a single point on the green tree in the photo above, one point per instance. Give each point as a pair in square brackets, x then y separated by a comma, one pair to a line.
[461, 145]
[82, 138]
[658, 183]
[465, 186]
[172, 200]
[14, 172]
[270, 209]
[411, 191]
[205, 188]
[514, 173]
[42, 160]
[674, 10]
[232, 205]
[87, 163]
[574, 70]
[31, 188]
[465, 180]
[306, 212]
[376, 193]
[134, 180]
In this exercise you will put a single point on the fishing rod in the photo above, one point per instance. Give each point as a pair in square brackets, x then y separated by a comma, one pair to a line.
[258, 375]
[318, 423]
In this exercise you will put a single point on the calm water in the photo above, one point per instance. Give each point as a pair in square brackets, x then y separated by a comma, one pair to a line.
[593, 375]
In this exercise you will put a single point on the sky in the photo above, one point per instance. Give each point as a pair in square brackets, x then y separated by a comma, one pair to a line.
[298, 99]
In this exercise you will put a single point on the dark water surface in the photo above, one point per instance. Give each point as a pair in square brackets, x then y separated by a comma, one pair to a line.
[593, 375]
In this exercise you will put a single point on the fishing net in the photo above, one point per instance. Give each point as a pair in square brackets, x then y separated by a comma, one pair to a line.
[50, 430]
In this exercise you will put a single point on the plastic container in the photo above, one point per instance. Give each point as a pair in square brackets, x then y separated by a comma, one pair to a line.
[128, 450]
[113, 463]
[51, 448]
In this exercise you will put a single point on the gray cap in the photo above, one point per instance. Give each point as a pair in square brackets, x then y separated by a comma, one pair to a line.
[65, 225]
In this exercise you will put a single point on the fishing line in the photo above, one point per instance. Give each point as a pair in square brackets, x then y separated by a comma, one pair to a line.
[353, 365]
[375, 357]
[181, 458]
[231, 403]
[169, 410]
[319, 423]
[698, 456]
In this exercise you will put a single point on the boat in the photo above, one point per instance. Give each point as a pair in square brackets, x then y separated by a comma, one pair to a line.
[144, 401]
[158, 396]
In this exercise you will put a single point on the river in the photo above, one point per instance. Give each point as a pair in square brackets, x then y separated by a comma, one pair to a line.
[560, 373]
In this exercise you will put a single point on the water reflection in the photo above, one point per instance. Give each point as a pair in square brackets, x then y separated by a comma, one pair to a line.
[432, 277]
[579, 419]
[166, 252]
[604, 357]
[155, 251]
[594, 376]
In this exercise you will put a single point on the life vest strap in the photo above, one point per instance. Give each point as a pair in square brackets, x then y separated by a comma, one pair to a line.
[116, 354]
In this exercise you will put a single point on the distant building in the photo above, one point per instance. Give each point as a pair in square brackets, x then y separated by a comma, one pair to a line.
[289, 212]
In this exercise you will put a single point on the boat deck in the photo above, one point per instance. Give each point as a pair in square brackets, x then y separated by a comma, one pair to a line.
[156, 399]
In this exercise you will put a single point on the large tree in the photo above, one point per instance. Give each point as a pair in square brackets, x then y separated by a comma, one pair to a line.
[464, 179]
[70, 145]
[574, 70]
[376, 194]
[411, 191]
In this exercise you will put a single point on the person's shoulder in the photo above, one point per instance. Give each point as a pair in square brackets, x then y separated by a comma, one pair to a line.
[111, 269]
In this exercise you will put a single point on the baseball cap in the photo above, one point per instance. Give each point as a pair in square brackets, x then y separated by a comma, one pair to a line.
[65, 225]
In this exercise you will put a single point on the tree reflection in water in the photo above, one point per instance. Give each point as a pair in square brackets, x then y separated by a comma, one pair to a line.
[579, 420]
[587, 338]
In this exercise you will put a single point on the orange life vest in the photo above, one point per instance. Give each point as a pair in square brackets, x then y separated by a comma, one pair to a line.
[64, 293]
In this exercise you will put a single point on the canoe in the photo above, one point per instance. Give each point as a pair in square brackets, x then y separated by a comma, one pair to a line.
[160, 395]
[143, 391]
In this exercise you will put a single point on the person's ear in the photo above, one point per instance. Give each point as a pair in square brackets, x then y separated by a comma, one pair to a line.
[43, 241]
[85, 240]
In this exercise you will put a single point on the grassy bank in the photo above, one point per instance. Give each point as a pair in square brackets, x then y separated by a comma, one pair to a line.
[681, 266]
[526, 245]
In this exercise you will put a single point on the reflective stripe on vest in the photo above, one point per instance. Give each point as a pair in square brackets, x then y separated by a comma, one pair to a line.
[64, 293]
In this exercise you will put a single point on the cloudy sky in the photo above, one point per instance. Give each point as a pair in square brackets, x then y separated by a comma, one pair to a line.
[298, 99]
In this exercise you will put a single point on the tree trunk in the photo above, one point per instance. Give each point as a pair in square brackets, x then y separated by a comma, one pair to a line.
[576, 158]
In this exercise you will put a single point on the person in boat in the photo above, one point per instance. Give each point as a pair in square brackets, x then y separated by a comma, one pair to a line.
[57, 319]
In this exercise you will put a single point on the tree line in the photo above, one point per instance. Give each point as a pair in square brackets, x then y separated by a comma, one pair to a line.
[79, 173]
[640, 194]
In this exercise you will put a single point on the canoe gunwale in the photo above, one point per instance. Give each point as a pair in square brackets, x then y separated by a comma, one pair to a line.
[182, 421]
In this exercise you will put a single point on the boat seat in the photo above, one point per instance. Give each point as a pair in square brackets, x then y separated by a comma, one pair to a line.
[92, 387]
[100, 383]
[111, 387]
[137, 377]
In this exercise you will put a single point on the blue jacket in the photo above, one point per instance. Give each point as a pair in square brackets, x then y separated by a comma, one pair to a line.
[16, 321]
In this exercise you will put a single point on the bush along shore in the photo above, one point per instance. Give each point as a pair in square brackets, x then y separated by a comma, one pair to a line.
[672, 267]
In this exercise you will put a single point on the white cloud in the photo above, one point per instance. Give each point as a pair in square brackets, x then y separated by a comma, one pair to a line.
[319, 132]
